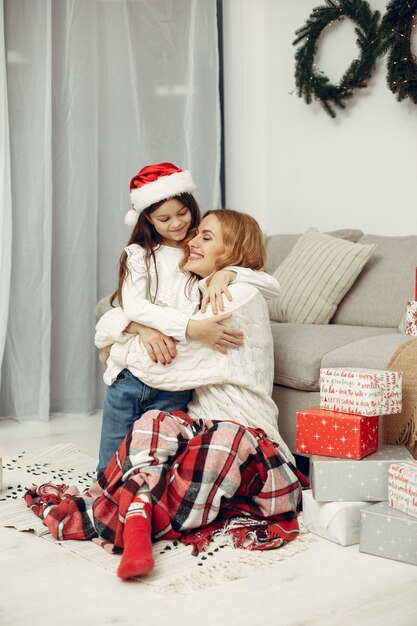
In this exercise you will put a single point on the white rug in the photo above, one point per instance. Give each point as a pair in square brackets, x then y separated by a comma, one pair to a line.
[176, 570]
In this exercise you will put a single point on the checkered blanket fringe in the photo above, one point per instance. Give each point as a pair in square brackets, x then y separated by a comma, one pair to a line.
[205, 480]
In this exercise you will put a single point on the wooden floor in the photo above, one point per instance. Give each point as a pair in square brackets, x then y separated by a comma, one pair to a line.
[41, 584]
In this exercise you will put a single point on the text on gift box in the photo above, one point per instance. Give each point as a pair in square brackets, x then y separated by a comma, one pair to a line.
[360, 391]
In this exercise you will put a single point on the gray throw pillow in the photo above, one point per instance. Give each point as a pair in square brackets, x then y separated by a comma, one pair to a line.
[315, 276]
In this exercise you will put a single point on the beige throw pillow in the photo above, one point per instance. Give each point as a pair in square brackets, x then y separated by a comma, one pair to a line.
[315, 276]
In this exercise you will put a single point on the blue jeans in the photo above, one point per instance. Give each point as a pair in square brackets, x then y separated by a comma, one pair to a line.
[126, 400]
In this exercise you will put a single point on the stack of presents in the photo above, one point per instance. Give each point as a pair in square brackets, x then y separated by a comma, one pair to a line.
[361, 492]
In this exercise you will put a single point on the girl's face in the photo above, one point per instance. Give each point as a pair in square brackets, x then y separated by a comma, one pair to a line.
[206, 247]
[171, 221]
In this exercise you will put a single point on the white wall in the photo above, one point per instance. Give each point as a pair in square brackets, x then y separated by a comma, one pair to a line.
[288, 163]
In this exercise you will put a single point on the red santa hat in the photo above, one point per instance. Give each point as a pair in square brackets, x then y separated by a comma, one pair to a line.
[155, 183]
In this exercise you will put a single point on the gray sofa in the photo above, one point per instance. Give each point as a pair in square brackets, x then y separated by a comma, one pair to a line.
[364, 332]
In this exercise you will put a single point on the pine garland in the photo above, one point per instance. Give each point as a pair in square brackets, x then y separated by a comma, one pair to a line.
[313, 84]
[396, 31]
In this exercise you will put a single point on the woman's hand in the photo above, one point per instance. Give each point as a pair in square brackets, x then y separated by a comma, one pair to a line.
[212, 332]
[160, 347]
[217, 287]
[104, 354]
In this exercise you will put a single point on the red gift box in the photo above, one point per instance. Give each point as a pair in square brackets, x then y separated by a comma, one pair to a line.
[331, 433]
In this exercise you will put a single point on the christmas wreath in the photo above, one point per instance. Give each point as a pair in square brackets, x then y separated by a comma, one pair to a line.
[314, 84]
[396, 29]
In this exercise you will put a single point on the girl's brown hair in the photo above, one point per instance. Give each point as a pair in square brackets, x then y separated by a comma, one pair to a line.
[243, 241]
[145, 235]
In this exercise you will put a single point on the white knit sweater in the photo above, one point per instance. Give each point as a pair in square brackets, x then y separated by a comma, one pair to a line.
[174, 304]
[235, 386]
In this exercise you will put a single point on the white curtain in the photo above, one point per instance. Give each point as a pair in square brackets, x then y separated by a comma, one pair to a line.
[95, 90]
[5, 196]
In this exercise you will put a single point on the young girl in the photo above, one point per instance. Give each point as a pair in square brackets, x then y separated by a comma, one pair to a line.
[153, 291]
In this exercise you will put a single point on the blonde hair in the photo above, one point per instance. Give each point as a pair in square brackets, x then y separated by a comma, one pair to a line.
[243, 240]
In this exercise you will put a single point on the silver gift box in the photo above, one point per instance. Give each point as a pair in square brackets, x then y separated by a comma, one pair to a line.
[335, 521]
[347, 480]
[389, 533]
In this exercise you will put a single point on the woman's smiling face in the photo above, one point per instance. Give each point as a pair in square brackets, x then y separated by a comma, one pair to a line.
[206, 247]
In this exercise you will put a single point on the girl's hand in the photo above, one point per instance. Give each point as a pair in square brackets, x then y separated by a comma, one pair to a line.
[104, 354]
[213, 333]
[217, 287]
[160, 347]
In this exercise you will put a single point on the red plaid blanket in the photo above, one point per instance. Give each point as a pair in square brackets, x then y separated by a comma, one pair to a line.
[204, 478]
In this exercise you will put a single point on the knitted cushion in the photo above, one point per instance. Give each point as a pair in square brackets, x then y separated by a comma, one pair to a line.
[315, 276]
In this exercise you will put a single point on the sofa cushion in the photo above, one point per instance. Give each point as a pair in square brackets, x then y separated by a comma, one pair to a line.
[279, 246]
[379, 295]
[299, 350]
[315, 276]
[371, 352]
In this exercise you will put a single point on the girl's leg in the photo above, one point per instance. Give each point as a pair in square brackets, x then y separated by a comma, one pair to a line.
[121, 409]
[166, 400]
[137, 556]
[126, 400]
[155, 440]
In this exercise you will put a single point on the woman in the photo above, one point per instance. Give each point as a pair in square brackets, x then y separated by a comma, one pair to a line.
[175, 473]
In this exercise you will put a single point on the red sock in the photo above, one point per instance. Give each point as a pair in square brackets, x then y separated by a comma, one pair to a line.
[137, 556]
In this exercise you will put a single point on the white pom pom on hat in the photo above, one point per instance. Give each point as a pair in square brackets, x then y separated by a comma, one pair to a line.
[155, 183]
[131, 217]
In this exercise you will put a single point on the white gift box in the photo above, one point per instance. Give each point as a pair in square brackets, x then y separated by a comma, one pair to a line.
[336, 521]
[361, 391]
[402, 487]
[411, 318]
